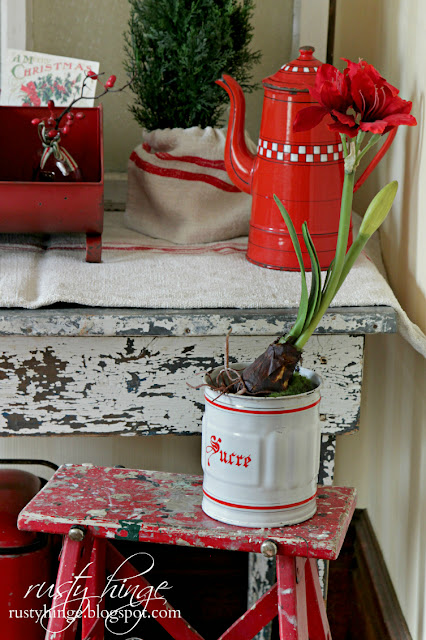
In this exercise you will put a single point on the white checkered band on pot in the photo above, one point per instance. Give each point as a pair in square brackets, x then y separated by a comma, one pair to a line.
[300, 153]
[301, 69]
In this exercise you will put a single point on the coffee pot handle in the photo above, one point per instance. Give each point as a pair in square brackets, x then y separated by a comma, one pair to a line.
[375, 161]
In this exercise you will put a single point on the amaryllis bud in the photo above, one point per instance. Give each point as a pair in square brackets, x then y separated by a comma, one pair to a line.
[35, 121]
[80, 115]
[110, 82]
[50, 104]
[52, 133]
[378, 209]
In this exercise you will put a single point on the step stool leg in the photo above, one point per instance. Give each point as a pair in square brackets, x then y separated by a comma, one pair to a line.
[92, 627]
[317, 616]
[292, 609]
[69, 589]
[255, 619]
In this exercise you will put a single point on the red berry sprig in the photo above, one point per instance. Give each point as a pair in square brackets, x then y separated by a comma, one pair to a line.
[110, 82]
[51, 125]
[50, 129]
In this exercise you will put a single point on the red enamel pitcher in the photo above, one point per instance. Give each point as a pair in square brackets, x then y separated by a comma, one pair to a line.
[305, 169]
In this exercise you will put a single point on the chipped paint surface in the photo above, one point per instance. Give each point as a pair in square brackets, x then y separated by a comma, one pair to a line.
[128, 386]
[292, 620]
[181, 322]
[166, 508]
[261, 576]
[328, 450]
[97, 512]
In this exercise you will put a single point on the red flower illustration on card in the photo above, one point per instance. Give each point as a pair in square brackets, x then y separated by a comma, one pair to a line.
[31, 91]
[359, 99]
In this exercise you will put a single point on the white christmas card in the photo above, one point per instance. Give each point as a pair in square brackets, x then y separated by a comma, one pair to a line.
[31, 79]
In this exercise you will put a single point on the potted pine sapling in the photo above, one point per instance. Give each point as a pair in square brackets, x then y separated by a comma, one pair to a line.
[261, 428]
[178, 187]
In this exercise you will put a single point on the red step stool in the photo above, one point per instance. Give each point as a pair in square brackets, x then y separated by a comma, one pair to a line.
[91, 505]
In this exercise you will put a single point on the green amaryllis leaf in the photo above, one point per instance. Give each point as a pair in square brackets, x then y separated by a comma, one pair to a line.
[327, 277]
[378, 209]
[376, 213]
[339, 259]
[315, 291]
[303, 306]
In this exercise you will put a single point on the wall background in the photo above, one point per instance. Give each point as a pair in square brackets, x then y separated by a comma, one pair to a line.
[92, 29]
[386, 461]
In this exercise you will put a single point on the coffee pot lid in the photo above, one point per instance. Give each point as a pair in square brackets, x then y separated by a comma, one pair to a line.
[297, 75]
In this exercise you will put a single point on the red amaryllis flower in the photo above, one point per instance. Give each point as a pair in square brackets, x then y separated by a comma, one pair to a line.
[377, 104]
[358, 99]
[332, 92]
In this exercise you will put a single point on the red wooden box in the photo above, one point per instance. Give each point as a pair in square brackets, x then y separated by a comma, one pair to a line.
[52, 207]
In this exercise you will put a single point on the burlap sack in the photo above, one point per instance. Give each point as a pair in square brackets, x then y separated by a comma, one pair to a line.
[179, 190]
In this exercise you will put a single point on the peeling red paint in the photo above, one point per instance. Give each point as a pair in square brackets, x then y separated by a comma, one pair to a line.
[166, 508]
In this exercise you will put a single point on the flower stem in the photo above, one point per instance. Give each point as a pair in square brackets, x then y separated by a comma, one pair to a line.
[339, 260]
[374, 138]
[345, 146]
[355, 249]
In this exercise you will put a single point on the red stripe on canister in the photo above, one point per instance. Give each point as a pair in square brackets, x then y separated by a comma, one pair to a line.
[280, 411]
[254, 508]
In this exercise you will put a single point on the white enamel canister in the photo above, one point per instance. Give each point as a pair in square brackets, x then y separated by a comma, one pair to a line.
[260, 456]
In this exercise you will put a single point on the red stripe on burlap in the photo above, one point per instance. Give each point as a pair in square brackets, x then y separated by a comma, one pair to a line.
[182, 175]
[202, 162]
[183, 250]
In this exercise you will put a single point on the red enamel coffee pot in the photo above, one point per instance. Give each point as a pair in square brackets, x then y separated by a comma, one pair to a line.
[305, 169]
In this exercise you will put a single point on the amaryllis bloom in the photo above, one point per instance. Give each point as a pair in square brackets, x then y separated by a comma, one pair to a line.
[376, 102]
[357, 99]
[332, 92]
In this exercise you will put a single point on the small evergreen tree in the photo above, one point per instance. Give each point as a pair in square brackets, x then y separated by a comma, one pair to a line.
[176, 49]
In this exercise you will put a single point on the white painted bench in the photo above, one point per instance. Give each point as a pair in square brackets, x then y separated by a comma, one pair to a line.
[91, 371]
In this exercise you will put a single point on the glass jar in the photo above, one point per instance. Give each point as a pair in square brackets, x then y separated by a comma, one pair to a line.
[54, 163]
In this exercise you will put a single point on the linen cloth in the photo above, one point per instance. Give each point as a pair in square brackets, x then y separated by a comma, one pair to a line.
[179, 190]
[137, 271]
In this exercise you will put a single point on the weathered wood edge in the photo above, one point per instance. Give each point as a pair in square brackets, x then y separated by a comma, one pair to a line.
[97, 322]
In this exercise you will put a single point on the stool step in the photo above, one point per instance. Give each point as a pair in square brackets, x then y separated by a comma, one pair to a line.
[161, 507]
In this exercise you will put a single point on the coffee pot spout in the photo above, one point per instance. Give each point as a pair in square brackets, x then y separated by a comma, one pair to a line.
[239, 160]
